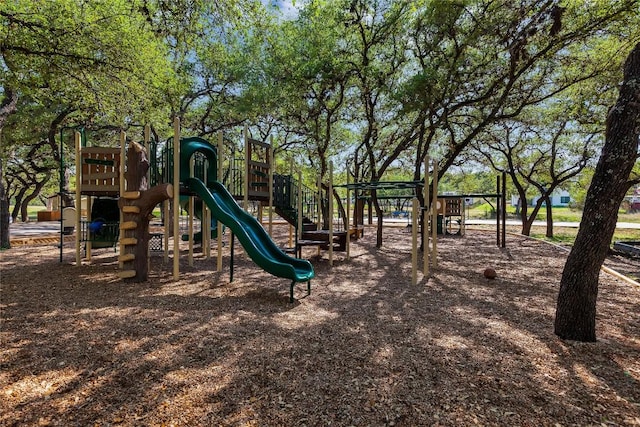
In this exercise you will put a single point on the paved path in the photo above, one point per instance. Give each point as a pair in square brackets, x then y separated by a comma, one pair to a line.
[30, 229]
[627, 225]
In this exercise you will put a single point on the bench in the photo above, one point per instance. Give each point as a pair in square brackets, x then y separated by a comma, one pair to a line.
[302, 243]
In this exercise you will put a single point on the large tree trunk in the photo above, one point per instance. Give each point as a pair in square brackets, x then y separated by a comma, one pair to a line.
[7, 106]
[576, 307]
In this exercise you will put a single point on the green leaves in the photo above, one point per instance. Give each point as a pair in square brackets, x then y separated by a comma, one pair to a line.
[100, 55]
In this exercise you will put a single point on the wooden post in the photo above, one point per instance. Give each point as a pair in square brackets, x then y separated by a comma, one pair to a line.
[414, 241]
[425, 219]
[219, 224]
[165, 237]
[434, 218]
[330, 196]
[176, 198]
[463, 224]
[147, 147]
[122, 182]
[77, 140]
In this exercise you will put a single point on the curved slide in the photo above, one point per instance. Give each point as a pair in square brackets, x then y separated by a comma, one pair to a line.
[253, 237]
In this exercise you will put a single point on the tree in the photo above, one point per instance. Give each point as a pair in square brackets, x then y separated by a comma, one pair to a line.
[432, 77]
[576, 305]
[493, 70]
[540, 157]
[98, 58]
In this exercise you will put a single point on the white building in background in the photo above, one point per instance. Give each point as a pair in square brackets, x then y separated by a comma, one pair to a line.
[559, 198]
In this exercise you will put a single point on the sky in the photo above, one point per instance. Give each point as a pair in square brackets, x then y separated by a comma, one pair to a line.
[287, 7]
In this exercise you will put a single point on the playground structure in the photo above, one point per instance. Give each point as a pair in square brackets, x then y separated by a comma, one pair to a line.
[100, 171]
[194, 164]
[210, 186]
[440, 214]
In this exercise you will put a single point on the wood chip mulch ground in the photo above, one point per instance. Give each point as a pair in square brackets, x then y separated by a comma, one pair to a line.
[81, 348]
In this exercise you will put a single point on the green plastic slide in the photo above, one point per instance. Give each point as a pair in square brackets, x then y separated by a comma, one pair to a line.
[256, 241]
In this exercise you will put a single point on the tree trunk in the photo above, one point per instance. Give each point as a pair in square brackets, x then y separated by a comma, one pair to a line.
[549, 217]
[576, 306]
[5, 236]
[136, 205]
[376, 206]
[8, 105]
[343, 214]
